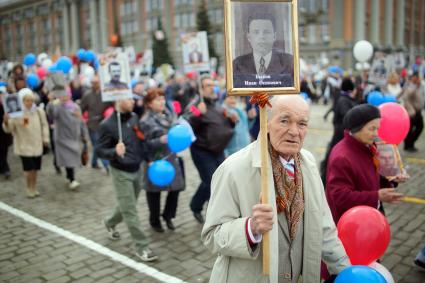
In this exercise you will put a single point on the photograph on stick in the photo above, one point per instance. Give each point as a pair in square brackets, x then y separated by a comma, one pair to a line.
[12, 105]
[261, 46]
[114, 73]
[390, 164]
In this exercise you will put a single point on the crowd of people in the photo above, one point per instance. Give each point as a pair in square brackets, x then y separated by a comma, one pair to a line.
[63, 115]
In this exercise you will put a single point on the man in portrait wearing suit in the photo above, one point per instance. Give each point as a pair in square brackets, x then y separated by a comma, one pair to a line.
[114, 69]
[195, 56]
[264, 66]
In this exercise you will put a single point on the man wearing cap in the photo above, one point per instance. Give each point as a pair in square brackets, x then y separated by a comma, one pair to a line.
[352, 176]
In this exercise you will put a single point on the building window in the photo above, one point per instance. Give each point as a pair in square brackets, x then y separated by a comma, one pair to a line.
[216, 16]
[312, 34]
[153, 5]
[324, 31]
[151, 24]
[301, 32]
[324, 5]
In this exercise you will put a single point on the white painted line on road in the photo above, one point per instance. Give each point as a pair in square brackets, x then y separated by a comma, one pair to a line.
[140, 267]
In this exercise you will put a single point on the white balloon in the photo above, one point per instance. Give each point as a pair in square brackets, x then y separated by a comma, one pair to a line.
[383, 271]
[363, 50]
[41, 57]
[359, 66]
[47, 62]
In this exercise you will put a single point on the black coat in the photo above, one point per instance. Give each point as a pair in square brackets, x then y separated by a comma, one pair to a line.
[213, 130]
[135, 148]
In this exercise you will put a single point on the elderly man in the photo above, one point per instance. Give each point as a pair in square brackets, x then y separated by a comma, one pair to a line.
[299, 221]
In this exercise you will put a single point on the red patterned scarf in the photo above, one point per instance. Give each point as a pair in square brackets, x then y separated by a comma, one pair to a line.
[289, 191]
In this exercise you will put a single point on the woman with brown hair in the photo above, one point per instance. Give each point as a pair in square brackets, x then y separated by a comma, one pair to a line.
[155, 124]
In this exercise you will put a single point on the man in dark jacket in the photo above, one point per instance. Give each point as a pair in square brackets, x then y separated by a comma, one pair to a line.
[125, 153]
[213, 130]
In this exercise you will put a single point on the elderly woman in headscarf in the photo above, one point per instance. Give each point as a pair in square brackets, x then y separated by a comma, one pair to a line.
[69, 131]
[31, 133]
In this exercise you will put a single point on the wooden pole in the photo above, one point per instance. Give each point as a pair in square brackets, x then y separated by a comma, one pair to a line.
[264, 184]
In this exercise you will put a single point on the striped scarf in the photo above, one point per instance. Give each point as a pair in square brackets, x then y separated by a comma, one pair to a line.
[289, 189]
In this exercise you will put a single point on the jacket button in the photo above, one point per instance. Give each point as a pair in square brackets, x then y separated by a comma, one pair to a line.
[287, 275]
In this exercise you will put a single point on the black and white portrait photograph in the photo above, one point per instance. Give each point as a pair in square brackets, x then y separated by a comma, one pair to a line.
[262, 44]
[115, 76]
[195, 51]
[12, 105]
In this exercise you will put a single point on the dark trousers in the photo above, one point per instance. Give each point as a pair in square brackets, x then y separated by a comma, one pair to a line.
[206, 163]
[70, 174]
[94, 136]
[4, 165]
[52, 146]
[416, 127]
[154, 203]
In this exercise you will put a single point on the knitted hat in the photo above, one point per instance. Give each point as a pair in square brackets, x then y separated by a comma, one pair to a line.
[360, 115]
[347, 85]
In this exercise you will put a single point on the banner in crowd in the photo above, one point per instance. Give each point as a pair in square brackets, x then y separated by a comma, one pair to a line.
[114, 74]
[195, 52]
[12, 105]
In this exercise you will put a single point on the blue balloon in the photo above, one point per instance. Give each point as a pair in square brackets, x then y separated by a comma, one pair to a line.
[32, 81]
[3, 83]
[161, 173]
[96, 64]
[52, 69]
[375, 98]
[64, 64]
[179, 138]
[216, 89]
[133, 83]
[360, 274]
[30, 59]
[80, 53]
[304, 95]
[390, 98]
[89, 56]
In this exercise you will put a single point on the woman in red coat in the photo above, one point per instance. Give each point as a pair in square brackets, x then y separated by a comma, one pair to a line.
[352, 174]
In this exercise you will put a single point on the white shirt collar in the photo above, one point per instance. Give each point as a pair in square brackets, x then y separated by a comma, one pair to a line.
[267, 59]
[284, 162]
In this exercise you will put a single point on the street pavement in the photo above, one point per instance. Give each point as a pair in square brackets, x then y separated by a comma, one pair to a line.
[58, 237]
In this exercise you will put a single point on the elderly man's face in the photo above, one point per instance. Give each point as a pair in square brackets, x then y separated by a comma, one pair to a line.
[287, 126]
[115, 72]
[386, 159]
[261, 36]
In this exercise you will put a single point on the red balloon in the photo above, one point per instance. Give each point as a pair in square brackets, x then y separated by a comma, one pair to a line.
[365, 234]
[395, 123]
[41, 73]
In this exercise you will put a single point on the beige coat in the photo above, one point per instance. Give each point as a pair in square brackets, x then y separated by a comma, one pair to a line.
[235, 189]
[28, 140]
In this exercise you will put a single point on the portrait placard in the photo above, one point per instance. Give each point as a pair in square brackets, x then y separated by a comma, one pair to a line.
[390, 163]
[12, 105]
[114, 74]
[195, 52]
[261, 46]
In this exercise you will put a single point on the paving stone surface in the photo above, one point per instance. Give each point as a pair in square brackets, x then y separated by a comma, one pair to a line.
[32, 254]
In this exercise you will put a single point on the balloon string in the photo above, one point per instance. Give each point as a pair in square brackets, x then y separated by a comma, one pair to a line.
[166, 157]
[261, 99]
